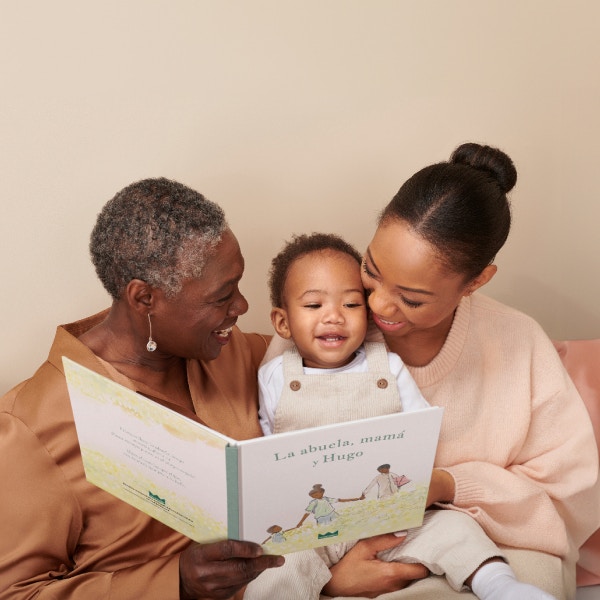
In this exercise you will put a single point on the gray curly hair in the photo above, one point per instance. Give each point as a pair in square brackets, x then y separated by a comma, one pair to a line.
[145, 231]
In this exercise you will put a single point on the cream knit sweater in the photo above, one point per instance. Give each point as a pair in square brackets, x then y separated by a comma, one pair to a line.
[516, 435]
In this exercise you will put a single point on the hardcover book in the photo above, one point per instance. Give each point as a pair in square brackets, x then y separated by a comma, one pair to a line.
[288, 491]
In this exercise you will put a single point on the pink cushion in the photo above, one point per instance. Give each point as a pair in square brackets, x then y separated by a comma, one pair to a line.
[581, 358]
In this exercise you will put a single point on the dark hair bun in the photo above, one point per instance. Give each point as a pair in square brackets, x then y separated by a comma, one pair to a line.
[491, 160]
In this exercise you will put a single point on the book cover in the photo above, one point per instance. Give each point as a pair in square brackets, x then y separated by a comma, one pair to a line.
[287, 491]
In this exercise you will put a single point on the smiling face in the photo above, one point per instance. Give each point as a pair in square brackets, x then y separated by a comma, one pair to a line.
[324, 310]
[412, 296]
[196, 322]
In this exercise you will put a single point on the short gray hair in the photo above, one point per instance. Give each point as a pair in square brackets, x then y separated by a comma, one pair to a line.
[145, 231]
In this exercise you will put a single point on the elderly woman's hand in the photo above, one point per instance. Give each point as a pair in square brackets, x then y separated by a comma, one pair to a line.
[217, 571]
[361, 573]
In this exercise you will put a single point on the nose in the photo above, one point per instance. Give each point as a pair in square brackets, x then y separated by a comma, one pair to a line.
[333, 315]
[381, 303]
[238, 306]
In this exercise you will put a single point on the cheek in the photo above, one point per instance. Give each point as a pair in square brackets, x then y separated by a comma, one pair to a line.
[206, 320]
[426, 318]
[360, 321]
[296, 325]
[304, 323]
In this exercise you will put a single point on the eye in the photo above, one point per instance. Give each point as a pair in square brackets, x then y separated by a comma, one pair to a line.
[223, 300]
[411, 303]
[353, 304]
[366, 270]
[312, 305]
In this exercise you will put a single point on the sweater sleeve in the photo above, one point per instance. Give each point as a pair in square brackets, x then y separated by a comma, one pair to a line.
[41, 523]
[544, 495]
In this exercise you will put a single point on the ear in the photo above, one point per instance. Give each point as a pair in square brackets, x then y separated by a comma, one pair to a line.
[484, 277]
[280, 322]
[141, 297]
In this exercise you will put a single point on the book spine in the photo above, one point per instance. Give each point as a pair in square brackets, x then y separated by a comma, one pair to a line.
[233, 496]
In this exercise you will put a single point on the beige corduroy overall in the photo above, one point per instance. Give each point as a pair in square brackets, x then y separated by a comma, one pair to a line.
[326, 398]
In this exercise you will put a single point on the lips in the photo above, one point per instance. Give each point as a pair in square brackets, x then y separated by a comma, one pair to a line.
[386, 325]
[224, 333]
[388, 322]
[331, 338]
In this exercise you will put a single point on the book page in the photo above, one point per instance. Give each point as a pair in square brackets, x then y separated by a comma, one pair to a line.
[279, 473]
[153, 458]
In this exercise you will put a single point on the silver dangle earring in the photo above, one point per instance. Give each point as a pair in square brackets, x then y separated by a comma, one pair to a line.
[151, 345]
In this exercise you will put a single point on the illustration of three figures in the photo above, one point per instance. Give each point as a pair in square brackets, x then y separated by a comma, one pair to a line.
[321, 506]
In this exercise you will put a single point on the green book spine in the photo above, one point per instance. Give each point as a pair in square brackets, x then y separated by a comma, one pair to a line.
[233, 497]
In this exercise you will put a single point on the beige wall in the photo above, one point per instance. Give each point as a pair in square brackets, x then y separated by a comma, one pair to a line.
[295, 117]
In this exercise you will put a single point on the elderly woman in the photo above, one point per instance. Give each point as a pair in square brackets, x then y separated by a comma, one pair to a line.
[172, 266]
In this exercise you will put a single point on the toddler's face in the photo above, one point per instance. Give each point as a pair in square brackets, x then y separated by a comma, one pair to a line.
[325, 312]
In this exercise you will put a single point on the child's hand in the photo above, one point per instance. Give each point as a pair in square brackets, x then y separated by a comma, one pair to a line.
[441, 487]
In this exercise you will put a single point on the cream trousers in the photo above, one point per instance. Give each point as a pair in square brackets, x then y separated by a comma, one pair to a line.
[451, 544]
